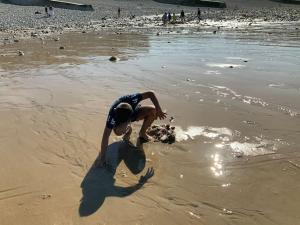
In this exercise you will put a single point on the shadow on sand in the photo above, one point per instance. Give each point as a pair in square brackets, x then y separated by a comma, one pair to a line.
[99, 183]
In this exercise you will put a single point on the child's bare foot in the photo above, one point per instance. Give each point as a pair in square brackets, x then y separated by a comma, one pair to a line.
[126, 137]
[145, 137]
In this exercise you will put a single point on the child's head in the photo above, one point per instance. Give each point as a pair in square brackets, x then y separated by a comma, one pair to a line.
[123, 113]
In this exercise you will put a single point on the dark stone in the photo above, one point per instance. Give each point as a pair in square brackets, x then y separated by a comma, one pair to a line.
[113, 59]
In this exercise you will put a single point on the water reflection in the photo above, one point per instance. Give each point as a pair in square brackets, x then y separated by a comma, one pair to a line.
[72, 48]
[217, 167]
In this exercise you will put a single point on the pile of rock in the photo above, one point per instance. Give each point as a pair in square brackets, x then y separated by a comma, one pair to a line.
[162, 133]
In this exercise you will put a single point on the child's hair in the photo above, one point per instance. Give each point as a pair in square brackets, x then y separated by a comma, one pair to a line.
[123, 113]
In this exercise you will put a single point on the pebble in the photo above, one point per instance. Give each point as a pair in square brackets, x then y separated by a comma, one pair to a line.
[238, 154]
[172, 120]
[20, 53]
[61, 47]
[249, 122]
[227, 212]
[46, 196]
[113, 59]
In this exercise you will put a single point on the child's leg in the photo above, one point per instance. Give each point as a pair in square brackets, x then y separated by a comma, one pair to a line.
[122, 129]
[148, 114]
[126, 137]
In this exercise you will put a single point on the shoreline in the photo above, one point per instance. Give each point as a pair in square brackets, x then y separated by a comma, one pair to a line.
[25, 24]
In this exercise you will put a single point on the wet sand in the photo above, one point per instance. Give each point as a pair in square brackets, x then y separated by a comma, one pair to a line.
[235, 99]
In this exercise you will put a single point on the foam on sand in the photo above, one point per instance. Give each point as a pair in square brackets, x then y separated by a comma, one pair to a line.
[238, 145]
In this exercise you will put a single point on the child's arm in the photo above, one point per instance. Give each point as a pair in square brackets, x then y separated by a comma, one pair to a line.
[150, 94]
[104, 143]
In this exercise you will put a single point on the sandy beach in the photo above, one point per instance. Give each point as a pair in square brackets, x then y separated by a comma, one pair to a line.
[232, 87]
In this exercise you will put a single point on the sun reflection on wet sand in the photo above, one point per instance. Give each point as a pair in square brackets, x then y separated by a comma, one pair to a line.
[217, 167]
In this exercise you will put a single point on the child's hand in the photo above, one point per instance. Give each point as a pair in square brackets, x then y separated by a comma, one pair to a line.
[147, 176]
[161, 115]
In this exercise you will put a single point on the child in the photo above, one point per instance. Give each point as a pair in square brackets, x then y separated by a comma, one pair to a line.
[182, 16]
[46, 11]
[119, 12]
[199, 15]
[165, 18]
[125, 110]
[174, 18]
[51, 11]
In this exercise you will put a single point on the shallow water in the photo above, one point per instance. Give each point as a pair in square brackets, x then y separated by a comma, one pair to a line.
[234, 96]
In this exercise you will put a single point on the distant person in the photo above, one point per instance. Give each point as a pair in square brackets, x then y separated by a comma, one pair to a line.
[199, 14]
[125, 110]
[165, 18]
[46, 11]
[119, 12]
[51, 11]
[174, 18]
[169, 17]
[182, 16]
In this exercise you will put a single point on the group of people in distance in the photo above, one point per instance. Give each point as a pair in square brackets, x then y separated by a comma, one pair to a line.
[168, 18]
[49, 11]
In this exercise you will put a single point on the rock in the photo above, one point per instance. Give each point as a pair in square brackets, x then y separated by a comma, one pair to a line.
[231, 67]
[164, 139]
[61, 47]
[113, 59]
[34, 34]
[157, 34]
[56, 39]
[20, 53]
[249, 122]
[16, 40]
[162, 133]
[46, 196]
[172, 138]
[171, 120]
[214, 32]
[238, 154]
